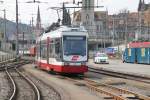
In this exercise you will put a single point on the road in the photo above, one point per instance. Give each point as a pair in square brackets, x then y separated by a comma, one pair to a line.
[117, 65]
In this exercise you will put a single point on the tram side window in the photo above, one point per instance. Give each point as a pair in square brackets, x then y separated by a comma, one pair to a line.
[58, 48]
[44, 51]
[38, 51]
[51, 50]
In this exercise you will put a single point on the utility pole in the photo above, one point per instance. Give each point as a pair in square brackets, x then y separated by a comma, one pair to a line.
[23, 43]
[148, 32]
[113, 31]
[32, 26]
[5, 37]
[106, 28]
[17, 45]
[4, 29]
[126, 29]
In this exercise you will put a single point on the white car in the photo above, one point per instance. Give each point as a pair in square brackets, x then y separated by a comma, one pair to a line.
[101, 58]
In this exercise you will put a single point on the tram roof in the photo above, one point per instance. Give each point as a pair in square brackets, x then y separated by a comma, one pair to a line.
[64, 30]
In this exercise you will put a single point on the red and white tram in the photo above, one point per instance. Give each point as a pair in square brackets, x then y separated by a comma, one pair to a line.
[64, 50]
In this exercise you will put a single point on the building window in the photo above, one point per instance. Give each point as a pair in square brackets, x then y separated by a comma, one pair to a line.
[87, 4]
[87, 17]
[97, 28]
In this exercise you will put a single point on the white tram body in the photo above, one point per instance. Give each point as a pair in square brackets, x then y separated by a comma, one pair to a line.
[64, 50]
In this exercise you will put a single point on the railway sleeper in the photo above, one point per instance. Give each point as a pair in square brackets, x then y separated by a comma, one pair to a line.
[108, 97]
[130, 96]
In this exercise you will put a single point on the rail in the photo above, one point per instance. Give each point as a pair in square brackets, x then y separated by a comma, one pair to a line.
[12, 97]
[9, 65]
[31, 83]
[141, 78]
[109, 91]
[96, 89]
[122, 92]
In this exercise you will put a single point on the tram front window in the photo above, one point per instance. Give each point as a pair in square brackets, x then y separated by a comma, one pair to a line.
[74, 45]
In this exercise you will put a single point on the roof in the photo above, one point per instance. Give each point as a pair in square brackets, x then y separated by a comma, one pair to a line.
[98, 15]
[64, 30]
[139, 44]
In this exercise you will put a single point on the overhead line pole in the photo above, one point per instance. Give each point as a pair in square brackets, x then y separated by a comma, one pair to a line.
[4, 21]
[4, 25]
[17, 45]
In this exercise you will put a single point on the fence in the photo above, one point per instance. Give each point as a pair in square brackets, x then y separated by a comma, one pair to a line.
[7, 57]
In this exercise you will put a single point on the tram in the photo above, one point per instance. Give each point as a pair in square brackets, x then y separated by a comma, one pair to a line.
[137, 52]
[63, 50]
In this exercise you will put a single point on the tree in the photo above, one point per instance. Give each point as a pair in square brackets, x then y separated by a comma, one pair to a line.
[66, 17]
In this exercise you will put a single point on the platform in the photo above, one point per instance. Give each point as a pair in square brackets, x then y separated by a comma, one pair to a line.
[119, 66]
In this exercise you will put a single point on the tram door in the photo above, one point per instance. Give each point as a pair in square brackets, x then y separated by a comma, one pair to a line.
[149, 55]
[136, 55]
[48, 43]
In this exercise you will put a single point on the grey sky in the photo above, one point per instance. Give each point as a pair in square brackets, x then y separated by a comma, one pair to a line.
[26, 11]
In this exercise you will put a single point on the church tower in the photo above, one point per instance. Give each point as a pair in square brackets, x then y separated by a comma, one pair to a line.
[38, 20]
[87, 16]
[38, 28]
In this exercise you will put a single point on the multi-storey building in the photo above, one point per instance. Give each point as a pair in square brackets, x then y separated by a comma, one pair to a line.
[123, 25]
[144, 20]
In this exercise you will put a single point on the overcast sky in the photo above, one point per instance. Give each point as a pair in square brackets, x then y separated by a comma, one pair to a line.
[26, 10]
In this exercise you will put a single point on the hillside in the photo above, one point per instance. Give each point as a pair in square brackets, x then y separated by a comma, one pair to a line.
[11, 29]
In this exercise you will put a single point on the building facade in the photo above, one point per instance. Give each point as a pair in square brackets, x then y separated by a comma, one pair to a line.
[95, 22]
[123, 26]
[144, 20]
[87, 16]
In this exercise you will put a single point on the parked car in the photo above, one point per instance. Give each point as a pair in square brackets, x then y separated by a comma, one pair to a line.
[101, 58]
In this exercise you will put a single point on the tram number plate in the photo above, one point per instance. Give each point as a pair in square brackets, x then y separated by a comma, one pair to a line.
[75, 58]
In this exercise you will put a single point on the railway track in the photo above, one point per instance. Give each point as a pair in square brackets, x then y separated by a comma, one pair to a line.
[114, 92]
[107, 91]
[123, 93]
[11, 64]
[47, 92]
[23, 87]
[138, 78]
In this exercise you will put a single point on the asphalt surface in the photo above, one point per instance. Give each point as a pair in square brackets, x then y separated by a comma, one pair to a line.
[119, 66]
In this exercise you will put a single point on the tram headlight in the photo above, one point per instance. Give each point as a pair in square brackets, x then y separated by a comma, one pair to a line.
[83, 63]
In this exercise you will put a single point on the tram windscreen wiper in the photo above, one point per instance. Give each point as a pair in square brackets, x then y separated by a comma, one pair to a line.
[77, 53]
[74, 53]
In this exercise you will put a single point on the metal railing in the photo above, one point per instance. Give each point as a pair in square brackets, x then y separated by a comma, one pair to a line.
[6, 57]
